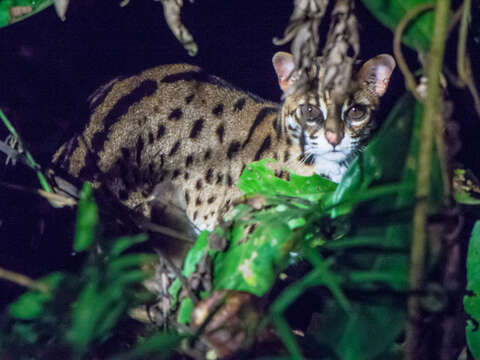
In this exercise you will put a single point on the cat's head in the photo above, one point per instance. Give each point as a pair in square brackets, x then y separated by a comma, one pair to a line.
[332, 131]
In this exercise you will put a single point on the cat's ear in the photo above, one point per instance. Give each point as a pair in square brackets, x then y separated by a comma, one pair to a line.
[284, 66]
[376, 73]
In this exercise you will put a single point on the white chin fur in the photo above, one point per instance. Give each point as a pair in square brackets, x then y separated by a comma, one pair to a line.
[331, 169]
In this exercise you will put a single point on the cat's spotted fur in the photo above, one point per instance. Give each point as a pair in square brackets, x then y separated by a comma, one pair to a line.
[176, 134]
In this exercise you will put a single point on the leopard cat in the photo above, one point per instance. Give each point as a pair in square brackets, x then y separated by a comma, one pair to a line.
[176, 134]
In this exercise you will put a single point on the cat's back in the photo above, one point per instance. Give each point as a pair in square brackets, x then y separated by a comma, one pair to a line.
[168, 109]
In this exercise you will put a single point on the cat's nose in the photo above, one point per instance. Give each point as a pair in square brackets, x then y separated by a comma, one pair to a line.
[332, 137]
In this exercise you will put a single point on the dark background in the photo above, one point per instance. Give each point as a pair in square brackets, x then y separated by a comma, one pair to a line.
[49, 67]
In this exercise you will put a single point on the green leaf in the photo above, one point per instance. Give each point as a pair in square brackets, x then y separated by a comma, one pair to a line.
[6, 5]
[174, 289]
[123, 243]
[471, 302]
[195, 254]
[31, 304]
[258, 179]
[389, 147]
[87, 219]
[389, 12]
[365, 333]
[28, 306]
[186, 309]
[253, 265]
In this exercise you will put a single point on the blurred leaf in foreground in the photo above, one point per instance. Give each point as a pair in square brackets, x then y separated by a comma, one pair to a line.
[87, 219]
[471, 301]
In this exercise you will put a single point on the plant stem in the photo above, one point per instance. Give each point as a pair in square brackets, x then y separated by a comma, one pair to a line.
[23, 280]
[410, 81]
[431, 105]
[31, 162]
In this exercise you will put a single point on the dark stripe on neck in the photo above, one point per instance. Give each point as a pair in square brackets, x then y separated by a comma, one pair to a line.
[146, 88]
[262, 114]
[203, 77]
[264, 147]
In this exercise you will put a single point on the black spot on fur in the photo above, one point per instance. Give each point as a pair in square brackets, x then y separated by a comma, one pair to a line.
[189, 160]
[195, 214]
[174, 148]
[286, 156]
[233, 149]
[209, 176]
[90, 167]
[189, 99]
[196, 128]
[219, 178]
[218, 110]
[211, 199]
[176, 173]
[208, 155]
[199, 184]
[139, 150]
[220, 132]
[160, 131]
[176, 114]
[186, 176]
[229, 180]
[151, 138]
[277, 127]
[198, 201]
[239, 104]
[187, 197]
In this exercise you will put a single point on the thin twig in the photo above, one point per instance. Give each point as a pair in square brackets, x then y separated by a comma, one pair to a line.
[50, 196]
[28, 156]
[179, 275]
[462, 41]
[419, 238]
[410, 81]
[146, 225]
[23, 280]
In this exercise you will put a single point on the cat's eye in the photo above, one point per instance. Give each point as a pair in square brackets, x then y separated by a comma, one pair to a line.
[311, 113]
[357, 112]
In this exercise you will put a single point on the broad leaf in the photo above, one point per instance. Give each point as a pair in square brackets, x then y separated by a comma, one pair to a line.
[389, 12]
[471, 302]
[365, 333]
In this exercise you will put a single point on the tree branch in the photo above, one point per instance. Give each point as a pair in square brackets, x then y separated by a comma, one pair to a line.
[417, 256]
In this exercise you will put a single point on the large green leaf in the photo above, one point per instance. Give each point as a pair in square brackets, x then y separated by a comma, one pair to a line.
[365, 333]
[380, 160]
[471, 302]
[389, 12]
[258, 179]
